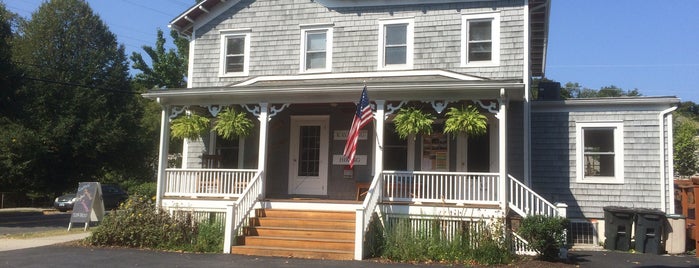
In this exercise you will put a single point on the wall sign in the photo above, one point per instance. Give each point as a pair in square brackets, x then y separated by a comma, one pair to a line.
[342, 135]
[359, 159]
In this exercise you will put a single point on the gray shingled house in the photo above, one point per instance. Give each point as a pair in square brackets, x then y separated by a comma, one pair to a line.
[297, 67]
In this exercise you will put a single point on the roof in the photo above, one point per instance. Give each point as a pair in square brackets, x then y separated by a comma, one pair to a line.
[608, 104]
[434, 85]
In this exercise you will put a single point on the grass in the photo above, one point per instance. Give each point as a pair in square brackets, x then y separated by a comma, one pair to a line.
[47, 233]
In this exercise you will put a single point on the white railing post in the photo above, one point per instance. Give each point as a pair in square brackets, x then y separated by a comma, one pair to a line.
[359, 235]
[562, 209]
[228, 234]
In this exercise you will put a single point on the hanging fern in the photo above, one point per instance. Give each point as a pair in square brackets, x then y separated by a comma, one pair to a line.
[467, 120]
[231, 124]
[190, 127]
[413, 121]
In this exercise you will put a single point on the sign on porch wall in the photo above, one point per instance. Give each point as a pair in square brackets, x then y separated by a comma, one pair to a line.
[342, 135]
[339, 159]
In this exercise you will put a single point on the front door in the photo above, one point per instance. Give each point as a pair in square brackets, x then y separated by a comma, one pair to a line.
[308, 161]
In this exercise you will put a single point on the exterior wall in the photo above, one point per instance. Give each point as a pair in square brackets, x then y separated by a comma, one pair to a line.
[275, 37]
[554, 165]
[515, 140]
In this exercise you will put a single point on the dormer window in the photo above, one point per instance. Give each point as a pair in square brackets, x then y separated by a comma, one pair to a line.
[396, 44]
[316, 49]
[235, 54]
[480, 40]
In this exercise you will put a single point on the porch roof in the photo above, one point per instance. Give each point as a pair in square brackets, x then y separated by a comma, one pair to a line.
[425, 86]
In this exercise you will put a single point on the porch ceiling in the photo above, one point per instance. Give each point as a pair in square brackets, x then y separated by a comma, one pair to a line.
[339, 90]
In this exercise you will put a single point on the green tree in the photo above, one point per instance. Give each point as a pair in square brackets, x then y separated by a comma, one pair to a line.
[169, 67]
[686, 146]
[77, 99]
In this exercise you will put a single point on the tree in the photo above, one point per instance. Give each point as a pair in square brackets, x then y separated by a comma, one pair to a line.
[77, 100]
[686, 146]
[169, 68]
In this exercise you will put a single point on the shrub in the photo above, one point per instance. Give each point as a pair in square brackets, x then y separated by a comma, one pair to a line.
[546, 235]
[473, 243]
[146, 189]
[209, 236]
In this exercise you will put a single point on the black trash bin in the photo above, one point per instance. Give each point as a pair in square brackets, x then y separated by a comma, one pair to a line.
[617, 227]
[649, 230]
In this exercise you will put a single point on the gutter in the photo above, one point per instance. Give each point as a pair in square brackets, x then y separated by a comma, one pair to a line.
[663, 156]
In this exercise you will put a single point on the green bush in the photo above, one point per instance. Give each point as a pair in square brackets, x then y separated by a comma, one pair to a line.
[146, 189]
[546, 235]
[137, 223]
[474, 243]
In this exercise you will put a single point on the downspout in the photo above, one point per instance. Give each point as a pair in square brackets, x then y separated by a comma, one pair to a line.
[663, 156]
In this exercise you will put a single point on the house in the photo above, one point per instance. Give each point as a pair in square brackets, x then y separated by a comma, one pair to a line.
[297, 68]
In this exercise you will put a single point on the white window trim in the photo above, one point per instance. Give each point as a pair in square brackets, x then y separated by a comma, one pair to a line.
[409, 43]
[328, 50]
[618, 177]
[222, 58]
[495, 35]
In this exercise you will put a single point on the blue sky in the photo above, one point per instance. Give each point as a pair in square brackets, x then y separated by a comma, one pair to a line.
[649, 45]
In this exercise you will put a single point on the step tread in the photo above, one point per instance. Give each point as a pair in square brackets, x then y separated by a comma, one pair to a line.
[295, 249]
[302, 229]
[304, 219]
[302, 239]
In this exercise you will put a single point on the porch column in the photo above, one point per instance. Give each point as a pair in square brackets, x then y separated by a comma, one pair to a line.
[262, 151]
[163, 153]
[502, 148]
[378, 146]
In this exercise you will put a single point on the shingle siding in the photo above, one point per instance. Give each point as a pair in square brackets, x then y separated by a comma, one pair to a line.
[275, 38]
[554, 166]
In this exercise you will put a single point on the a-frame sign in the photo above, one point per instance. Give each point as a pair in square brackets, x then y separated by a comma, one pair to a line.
[88, 205]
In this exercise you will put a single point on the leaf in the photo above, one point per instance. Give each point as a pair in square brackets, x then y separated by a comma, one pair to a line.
[466, 120]
[190, 127]
[413, 121]
[232, 124]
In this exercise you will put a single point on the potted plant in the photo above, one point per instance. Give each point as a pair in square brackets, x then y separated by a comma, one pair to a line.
[466, 120]
[191, 126]
[231, 124]
[413, 121]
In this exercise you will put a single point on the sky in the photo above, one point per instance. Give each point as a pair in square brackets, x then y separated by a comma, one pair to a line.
[652, 46]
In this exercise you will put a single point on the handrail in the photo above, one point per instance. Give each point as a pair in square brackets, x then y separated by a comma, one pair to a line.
[364, 214]
[520, 246]
[442, 187]
[225, 183]
[237, 214]
[525, 201]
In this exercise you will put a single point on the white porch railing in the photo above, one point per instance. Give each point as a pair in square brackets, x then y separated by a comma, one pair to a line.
[237, 215]
[520, 246]
[364, 214]
[525, 201]
[441, 187]
[226, 183]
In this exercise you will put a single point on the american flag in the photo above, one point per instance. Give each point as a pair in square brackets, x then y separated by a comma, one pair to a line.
[361, 117]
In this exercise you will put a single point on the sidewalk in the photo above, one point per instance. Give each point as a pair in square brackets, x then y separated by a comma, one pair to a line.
[16, 243]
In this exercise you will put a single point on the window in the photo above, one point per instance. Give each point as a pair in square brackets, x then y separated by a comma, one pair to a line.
[316, 50]
[600, 152]
[480, 40]
[235, 54]
[396, 44]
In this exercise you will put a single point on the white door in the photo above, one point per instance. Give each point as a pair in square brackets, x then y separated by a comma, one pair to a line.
[308, 155]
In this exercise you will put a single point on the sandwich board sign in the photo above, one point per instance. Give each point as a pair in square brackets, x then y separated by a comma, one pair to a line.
[88, 204]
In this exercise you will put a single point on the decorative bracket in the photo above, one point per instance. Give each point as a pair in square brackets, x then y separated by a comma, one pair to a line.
[439, 106]
[176, 111]
[255, 110]
[274, 110]
[492, 106]
[390, 109]
[214, 109]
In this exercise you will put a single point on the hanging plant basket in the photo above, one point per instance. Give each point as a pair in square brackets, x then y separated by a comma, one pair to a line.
[231, 124]
[413, 121]
[466, 120]
[191, 127]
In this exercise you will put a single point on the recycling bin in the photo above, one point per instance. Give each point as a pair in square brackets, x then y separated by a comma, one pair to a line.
[649, 231]
[676, 242]
[617, 227]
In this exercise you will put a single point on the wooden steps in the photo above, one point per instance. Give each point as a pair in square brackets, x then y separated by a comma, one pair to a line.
[300, 234]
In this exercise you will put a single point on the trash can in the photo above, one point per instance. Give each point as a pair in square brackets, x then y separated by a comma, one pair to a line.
[649, 230]
[676, 242]
[617, 227]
